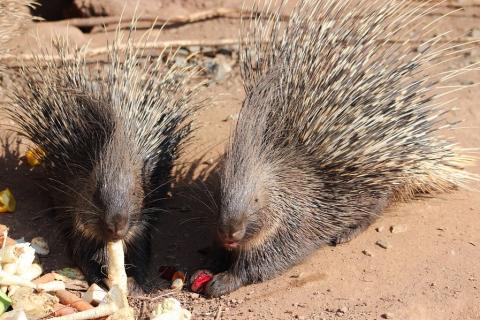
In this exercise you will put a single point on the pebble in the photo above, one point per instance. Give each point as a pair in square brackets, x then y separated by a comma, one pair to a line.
[380, 229]
[466, 82]
[387, 315]
[383, 244]
[177, 284]
[297, 275]
[398, 228]
[183, 52]
[40, 245]
[231, 117]
[181, 61]
[194, 49]
[195, 295]
[475, 33]
[219, 66]
[343, 309]
[422, 48]
[367, 253]
[209, 161]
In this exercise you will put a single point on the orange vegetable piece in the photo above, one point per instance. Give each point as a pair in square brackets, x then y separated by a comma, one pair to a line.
[178, 275]
[34, 157]
[7, 201]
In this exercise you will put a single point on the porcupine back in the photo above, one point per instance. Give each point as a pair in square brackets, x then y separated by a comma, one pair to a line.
[340, 83]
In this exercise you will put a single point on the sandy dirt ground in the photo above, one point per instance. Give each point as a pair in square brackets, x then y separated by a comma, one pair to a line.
[430, 272]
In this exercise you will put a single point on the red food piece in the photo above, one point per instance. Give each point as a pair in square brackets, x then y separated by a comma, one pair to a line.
[199, 280]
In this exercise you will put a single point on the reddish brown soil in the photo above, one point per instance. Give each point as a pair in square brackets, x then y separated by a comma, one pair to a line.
[431, 272]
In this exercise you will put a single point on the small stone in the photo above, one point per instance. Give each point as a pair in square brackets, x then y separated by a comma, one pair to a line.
[209, 161]
[194, 49]
[387, 315]
[40, 245]
[466, 82]
[177, 284]
[380, 228]
[195, 295]
[297, 275]
[181, 61]
[398, 228]
[422, 48]
[221, 67]
[209, 51]
[475, 33]
[343, 309]
[231, 117]
[367, 253]
[183, 52]
[383, 244]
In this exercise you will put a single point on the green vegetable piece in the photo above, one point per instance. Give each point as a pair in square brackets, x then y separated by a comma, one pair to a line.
[5, 302]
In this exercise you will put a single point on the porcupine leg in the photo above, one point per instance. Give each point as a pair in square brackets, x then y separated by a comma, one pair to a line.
[351, 233]
[376, 209]
[137, 261]
[90, 257]
[223, 283]
[263, 264]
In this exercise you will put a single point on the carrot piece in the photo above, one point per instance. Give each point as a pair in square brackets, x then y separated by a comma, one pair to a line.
[48, 277]
[62, 310]
[69, 299]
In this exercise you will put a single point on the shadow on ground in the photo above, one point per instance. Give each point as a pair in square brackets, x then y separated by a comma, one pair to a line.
[182, 232]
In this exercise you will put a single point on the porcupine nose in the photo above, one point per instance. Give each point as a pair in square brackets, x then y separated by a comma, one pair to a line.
[117, 226]
[231, 235]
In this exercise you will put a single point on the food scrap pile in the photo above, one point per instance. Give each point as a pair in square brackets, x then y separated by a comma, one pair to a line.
[27, 294]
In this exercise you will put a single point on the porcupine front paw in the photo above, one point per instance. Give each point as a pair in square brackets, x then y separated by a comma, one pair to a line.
[222, 284]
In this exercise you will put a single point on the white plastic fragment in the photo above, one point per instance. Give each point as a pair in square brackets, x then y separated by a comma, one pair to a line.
[94, 294]
[170, 309]
[40, 245]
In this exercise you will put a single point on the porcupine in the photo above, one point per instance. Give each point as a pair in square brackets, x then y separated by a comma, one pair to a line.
[108, 137]
[339, 119]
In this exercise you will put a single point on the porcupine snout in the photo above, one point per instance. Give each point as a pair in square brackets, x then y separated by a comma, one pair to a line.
[231, 232]
[116, 226]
